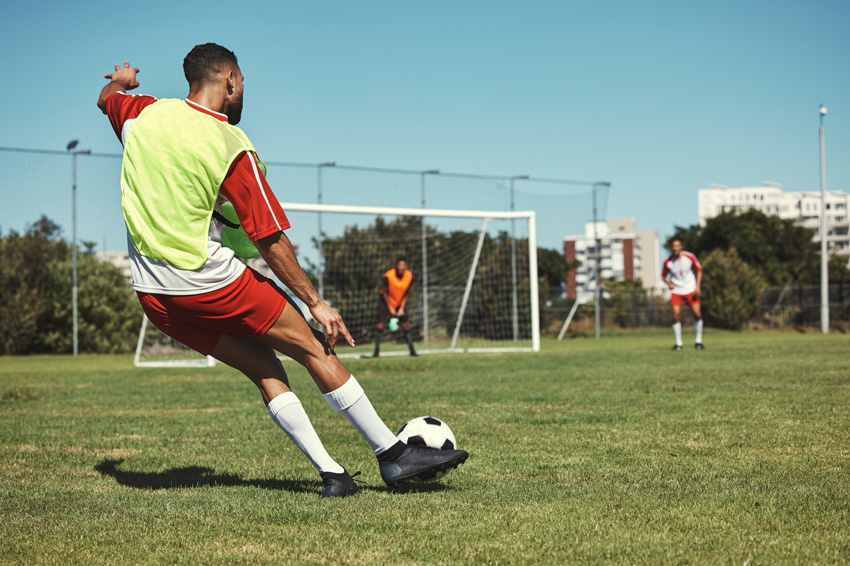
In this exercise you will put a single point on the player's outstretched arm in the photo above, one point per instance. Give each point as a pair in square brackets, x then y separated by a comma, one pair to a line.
[123, 79]
[280, 256]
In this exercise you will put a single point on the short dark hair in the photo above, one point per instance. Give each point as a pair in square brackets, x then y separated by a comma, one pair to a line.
[676, 240]
[205, 61]
[400, 258]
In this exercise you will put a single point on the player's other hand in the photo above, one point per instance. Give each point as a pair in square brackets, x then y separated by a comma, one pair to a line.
[697, 292]
[332, 321]
[125, 75]
[671, 285]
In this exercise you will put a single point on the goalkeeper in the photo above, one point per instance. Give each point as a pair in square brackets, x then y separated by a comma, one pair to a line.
[395, 288]
[182, 160]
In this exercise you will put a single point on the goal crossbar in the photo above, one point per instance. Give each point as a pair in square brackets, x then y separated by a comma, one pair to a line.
[390, 211]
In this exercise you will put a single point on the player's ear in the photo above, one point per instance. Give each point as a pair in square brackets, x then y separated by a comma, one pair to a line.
[231, 81]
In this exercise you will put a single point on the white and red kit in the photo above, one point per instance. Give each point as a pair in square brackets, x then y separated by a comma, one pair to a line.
[222, 296]
[682, 272]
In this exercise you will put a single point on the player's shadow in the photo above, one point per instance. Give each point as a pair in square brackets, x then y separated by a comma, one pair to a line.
[196, 476]
[200, 476]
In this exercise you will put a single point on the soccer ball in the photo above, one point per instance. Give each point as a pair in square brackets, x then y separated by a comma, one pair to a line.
[428, 432]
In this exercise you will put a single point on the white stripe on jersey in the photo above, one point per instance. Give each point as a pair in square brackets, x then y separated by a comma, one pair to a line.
[260, 185]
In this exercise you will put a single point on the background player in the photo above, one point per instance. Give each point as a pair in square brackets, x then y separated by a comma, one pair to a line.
[683, 274]
[182, 160]
[395, 287]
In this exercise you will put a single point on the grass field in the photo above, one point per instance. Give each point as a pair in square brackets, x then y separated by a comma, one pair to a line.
[610, 451]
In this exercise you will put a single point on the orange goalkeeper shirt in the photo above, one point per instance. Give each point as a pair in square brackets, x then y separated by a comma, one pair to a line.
[397, 288]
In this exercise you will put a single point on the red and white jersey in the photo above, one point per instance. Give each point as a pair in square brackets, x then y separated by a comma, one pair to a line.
[682, 272]
[259, 212]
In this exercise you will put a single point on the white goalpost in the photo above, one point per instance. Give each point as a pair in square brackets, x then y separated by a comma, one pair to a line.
[474, 278]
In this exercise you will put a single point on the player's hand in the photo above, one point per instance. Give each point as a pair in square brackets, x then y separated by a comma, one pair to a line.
[696, 292]
[332, 321]
[671, 285]
[125, 75]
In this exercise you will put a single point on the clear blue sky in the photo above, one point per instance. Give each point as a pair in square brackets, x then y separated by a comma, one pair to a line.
[660, 98]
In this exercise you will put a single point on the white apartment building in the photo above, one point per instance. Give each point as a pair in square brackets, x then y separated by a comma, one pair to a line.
[804, 208]
[121, 260]
[624, 253]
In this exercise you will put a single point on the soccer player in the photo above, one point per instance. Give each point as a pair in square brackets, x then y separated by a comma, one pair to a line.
[683, 274]
[395, 287]
[182, 160]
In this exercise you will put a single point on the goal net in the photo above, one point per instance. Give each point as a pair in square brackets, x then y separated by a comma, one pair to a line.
[472, 274]
[474, 278]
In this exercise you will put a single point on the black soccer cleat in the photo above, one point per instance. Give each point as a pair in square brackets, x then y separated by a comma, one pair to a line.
[416, 462]
[677, 348]
[699, 346]
[339, 485]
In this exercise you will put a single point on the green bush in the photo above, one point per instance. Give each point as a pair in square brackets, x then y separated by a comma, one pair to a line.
[35, 297]
[731, 290]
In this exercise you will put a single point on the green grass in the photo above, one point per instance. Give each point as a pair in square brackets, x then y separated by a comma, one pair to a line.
[611, 451]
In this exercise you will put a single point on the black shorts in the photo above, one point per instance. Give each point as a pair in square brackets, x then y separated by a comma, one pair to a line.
[384, 313]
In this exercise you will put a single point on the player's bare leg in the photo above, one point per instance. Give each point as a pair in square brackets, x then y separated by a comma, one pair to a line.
[260, 364]
[677, 326]
[292, 336]
[696, 308]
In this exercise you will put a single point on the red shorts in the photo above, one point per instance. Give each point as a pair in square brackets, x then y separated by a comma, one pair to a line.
[248, 306]
[679, 300]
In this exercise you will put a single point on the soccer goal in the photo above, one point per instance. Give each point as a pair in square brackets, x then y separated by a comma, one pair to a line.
[474, 279]
[474, 274]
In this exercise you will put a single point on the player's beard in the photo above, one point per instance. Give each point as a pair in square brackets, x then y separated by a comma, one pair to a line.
[233, 109]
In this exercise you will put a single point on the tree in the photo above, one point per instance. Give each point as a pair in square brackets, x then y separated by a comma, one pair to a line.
[774, 247]
[35, 296]
[731, 290]
[625, 301]
[26, 264]
[552, 267]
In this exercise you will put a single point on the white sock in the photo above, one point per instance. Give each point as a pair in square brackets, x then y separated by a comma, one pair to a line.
[287, 412]
[698, 329]
[677, 332]
[351, 402]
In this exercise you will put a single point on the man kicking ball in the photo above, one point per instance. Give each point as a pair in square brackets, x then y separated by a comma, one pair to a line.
[683, 274]
[182, 160]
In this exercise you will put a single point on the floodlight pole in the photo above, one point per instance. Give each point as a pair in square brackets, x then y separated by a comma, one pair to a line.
[824, 259]
[598, 250]
[74, 310]
[321, 266]
[425, 325]
[514, 308]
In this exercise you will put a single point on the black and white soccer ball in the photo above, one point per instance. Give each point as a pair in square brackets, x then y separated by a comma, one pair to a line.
[427, 432]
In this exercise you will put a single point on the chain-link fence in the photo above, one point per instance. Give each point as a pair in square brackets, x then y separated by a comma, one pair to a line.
[780, 307]
[38, 182]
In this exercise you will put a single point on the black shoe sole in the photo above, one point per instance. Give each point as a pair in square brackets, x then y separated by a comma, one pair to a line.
[444, 467]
